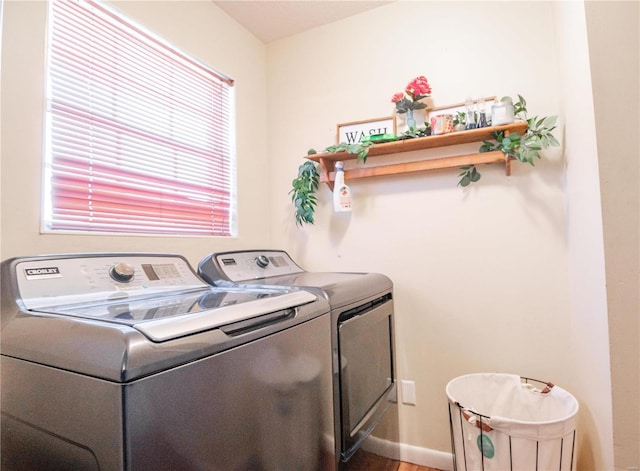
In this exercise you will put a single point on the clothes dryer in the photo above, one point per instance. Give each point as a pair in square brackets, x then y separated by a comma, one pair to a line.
[362, 340]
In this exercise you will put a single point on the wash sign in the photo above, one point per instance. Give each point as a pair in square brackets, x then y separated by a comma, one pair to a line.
[355, 131]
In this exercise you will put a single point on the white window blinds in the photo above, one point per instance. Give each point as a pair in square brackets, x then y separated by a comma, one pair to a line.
[139, 136]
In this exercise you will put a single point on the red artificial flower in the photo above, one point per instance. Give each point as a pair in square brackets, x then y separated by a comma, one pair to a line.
[416, 90]
[418, 87]
[397, 97]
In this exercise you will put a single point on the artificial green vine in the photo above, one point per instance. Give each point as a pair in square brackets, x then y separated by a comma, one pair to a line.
[303, 192]
[469, 174]
[416, 132]
[305, 185]
[524, 148]
[361, 149]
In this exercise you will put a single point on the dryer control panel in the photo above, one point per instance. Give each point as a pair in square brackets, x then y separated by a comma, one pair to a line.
[248, 265]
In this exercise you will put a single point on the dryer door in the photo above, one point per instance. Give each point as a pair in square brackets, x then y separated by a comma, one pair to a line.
[367, 377]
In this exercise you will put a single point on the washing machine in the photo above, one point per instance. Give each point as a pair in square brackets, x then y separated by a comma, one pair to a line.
[127, 361]
[362, 340]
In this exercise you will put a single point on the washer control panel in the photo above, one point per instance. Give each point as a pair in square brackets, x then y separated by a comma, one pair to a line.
[48, 281]
[247, 265]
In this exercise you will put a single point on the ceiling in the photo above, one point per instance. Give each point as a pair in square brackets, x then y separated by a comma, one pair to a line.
[270, 20]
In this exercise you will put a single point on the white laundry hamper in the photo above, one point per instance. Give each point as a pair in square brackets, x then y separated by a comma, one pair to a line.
[502, 422]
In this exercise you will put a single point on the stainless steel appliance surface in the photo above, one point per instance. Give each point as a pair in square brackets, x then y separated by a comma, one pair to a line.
[362, 319]
[130, 361]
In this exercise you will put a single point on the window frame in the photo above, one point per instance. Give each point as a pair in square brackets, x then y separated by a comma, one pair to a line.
[230, 229]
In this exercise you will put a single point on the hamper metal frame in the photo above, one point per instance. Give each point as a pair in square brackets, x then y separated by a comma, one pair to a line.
[484, 427]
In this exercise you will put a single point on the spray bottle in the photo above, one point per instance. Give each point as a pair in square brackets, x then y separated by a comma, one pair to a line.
[341, 192]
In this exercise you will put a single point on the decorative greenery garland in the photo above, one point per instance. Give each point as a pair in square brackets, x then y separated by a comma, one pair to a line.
[303, 192]
[305, 184]
[361, 149]
[524, 148]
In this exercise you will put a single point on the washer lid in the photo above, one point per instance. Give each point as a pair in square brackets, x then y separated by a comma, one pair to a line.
[162, 318]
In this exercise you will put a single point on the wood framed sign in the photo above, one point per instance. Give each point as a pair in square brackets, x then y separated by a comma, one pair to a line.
[355, 131]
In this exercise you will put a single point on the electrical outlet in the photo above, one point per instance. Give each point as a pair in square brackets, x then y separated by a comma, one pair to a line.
[408, 392]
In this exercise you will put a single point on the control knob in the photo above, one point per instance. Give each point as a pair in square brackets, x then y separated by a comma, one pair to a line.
[122, 272]
[262, 261]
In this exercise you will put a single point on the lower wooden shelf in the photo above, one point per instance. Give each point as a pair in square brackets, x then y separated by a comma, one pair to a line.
[422, 165]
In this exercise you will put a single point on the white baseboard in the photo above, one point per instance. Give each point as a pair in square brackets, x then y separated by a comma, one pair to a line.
[409, 453]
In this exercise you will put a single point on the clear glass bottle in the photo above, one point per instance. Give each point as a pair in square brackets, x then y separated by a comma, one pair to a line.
[482, 113]
[471, 115]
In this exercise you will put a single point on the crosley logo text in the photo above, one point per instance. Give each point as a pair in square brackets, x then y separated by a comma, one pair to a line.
[42, 271]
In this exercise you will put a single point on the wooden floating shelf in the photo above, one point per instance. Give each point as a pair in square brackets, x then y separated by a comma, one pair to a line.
[327, 161]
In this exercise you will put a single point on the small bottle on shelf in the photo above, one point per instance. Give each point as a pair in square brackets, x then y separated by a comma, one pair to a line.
[482, 113]
[471, 115]
[341, 192]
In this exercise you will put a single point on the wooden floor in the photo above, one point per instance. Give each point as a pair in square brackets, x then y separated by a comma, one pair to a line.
[363, 461]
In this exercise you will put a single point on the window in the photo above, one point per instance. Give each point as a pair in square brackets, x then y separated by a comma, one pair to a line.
[138, 135]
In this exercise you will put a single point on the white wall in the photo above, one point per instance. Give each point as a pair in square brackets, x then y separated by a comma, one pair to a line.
[590, 341]
[481, 275]
[614, 26]
[503, 276]
[200, 29]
